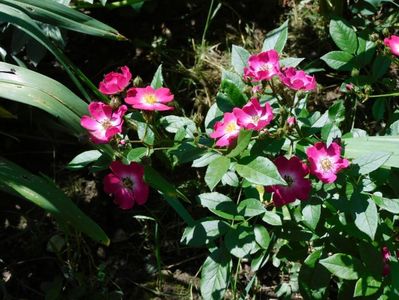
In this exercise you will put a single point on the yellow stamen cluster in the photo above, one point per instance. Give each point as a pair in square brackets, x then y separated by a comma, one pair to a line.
[150, 98]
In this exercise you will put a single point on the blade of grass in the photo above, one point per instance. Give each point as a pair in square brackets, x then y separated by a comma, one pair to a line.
[57, 14]
[17, 181]
[25, 23]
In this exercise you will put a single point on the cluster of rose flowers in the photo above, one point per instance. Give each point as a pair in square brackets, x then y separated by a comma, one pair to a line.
[324, 162]
[126, 182]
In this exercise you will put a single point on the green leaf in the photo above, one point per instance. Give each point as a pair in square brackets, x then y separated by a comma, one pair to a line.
[230, 178]
[366, 286]
[205, 159]
[185, 152]
[240, 241]
[28, 87]
[102, 163]
[242, 143]
[137, 154]
[60, 15]
[370, 162]
[365, 214]
[251, 207]
[344, 36]
[215, 275]
[203, 232]
[239, 59]
[391, 205]
[233, 77]
[215, 171]
[276, 39]
[378, 109]
[364, 53]
[260, 171]
[157, 80]
[343, 266]
[173, 124]
[144, 131]
[262, 237]
[314, 279]
[359, 146]
[291, 61]
[83, 159]
[311, 215]
[339, 60]
[220, 205]
[213, 115]
[272, 218]
[230, 96]
[42, 192]
[380, 66]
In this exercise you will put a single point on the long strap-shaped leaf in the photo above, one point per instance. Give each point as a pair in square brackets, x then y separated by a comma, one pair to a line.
[25, 23]
[63, 16]
[18, 181]
[26, 86]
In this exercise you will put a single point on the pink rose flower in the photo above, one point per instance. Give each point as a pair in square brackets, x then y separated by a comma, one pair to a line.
[262, 66]
[114, 82]
[226, 130]
[291, 121]
[297, 79]
[293, 171]
[325, 162]
[103, 123]
[393, 43]
[126, 184]
[149, 99]
[253, 116]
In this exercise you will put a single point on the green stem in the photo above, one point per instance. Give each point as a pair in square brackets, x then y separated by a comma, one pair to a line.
[236, 279]
[158, 255]
[208, 20]
[382, 95]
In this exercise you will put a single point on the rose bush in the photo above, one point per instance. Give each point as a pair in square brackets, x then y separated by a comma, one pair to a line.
[286, 185]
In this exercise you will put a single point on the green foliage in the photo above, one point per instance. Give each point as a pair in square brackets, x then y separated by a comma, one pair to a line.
[215, 274]
[259, 171]
[63, 16]
[277, 38]
[43, 193]
[25, 86]
[343, 266]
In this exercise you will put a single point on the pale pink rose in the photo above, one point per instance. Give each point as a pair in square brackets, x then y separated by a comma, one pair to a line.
[226, 131]
[262, 66]
[298, 187]
[393, 43]
[149, 99]
[253, 116]
[297, 79]
[325, 162]
[114, 82]
[291, 121]
[126, 184]
[103, 123]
